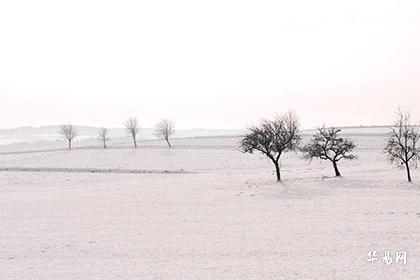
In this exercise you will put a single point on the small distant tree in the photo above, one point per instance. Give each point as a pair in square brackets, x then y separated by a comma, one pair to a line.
[133, 128]
[327, 144]
[402, 145]
[273, 138]
[68, 132]
[165, 129]
[103, 136]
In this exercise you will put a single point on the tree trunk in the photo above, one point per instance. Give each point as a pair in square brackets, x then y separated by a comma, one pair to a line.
[135, 142]
[167, 141]
[408, 172]
[337, 173]
[276, 164]
[104, 144]
[69, 144]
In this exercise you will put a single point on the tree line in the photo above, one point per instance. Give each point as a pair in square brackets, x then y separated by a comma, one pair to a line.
[163, 129]
[280, 135]
[275, 137]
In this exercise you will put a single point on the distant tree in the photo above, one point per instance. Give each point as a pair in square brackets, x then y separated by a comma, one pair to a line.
[327, 144]
[68, 132]
[273, 138]
[402, 145]
[133, 128]
[103, 136]
[165, 129]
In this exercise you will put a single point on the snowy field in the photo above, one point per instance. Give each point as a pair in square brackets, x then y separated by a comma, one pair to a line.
[202, 210]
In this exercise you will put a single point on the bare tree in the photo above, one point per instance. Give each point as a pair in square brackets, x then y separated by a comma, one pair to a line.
[327, 144]
[402, 145]
[273, 138]
[133, 128]
[103, 136]
[68, 132]
[165, 129]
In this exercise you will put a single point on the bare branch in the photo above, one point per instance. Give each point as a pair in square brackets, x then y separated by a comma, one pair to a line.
[133, 128]
[272, 138]
[103, 136]
[68, 132]
[402, 145]
[165, 129]
[327, 144]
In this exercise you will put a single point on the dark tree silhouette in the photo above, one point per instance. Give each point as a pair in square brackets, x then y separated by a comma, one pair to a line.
[68, 132]
[103, 136]
[402, 145]
[133, 128]
[273, 138]
[165, 129]
[327, 144]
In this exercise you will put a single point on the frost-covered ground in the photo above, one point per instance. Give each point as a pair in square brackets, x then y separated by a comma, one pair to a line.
[206, 212]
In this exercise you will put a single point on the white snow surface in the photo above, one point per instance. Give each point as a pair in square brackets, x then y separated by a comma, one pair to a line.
[208, 211]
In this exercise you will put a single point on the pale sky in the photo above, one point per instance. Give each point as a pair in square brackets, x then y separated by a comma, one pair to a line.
[208, 64]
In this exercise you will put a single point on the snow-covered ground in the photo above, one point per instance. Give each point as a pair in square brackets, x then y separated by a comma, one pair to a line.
[207, 211]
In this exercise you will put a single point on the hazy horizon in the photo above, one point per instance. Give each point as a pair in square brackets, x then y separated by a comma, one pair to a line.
[220, 65]
[121, 127]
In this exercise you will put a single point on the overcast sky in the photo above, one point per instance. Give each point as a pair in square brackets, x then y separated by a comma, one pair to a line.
[210, 64]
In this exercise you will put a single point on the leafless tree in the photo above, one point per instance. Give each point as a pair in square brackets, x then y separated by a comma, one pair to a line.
[103, 136]
[165, 129]
[133, 128]
[273, 138]
[327, 144]
[402, 145]
[68, 132]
